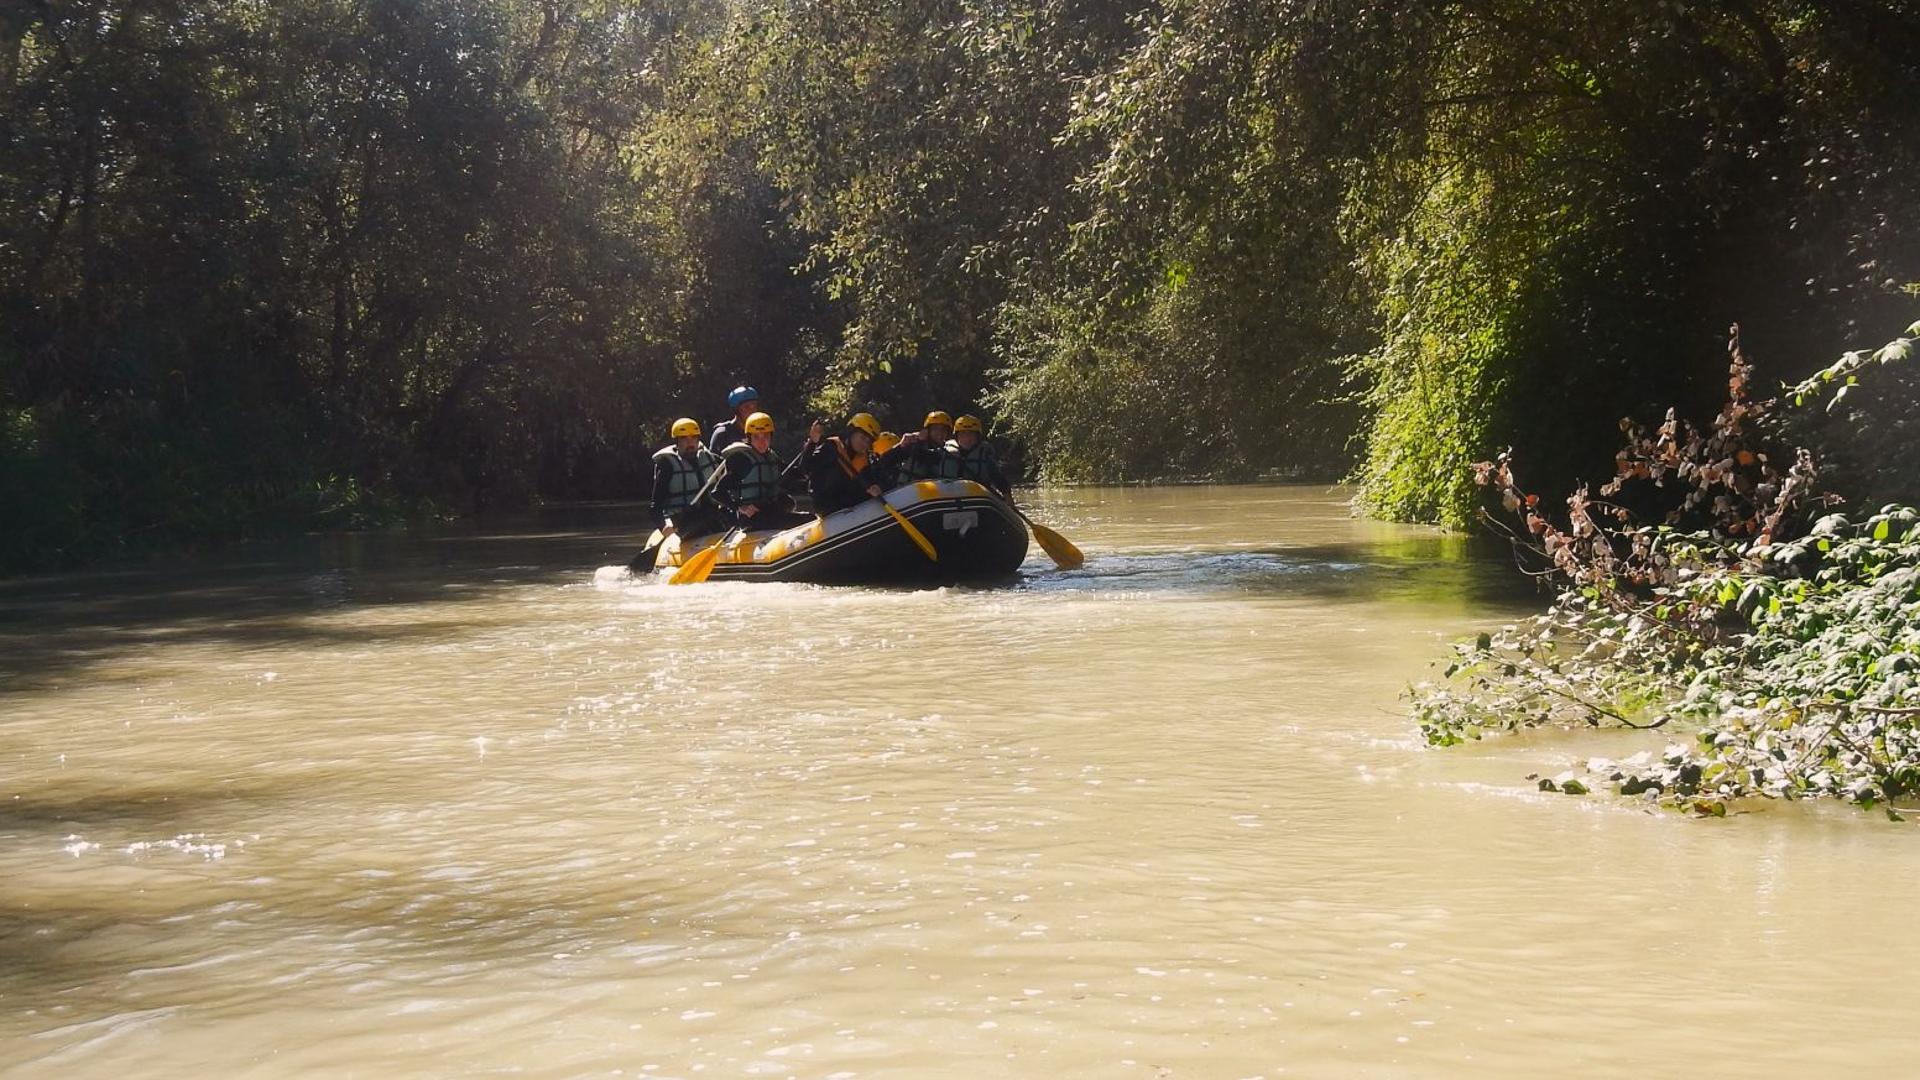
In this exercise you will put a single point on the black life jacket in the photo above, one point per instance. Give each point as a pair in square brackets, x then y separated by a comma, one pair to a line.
[688, 477]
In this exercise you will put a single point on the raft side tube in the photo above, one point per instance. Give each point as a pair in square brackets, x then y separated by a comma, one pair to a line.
[977, 535]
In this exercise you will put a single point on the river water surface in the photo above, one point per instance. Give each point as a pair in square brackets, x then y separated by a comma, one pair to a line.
[459, 803]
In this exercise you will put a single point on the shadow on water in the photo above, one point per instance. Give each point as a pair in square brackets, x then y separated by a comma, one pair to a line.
[82, 945]
[90, 806]
[76, 940]
[1436, 569]
[268, 594]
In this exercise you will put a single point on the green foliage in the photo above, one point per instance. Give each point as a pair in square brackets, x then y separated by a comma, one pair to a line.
[1434, 384]
[1163, 389]
[1869, 442]
[299, 264]
[1546, 202]
[472, 252]
[1785, 641]
[1794, 668]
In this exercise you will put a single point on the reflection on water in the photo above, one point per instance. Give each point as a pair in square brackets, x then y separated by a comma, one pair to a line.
[444, 804]
[1245, 571]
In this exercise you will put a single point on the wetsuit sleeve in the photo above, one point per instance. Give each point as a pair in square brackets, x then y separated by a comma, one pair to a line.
[926, 453]
[832, 487]
[662, 479]
[892, 459]
[726, 490]
[813, 466]
[997, 477]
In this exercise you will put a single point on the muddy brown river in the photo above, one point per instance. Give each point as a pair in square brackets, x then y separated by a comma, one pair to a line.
[464, 803]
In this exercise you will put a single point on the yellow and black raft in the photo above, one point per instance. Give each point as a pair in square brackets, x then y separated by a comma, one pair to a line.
[973, 534]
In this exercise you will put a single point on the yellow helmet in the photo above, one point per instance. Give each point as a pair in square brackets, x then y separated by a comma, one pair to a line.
[885, 441]
[937, 417]
[686, 426]
[759, 424]
[968, 423]
[864, 421]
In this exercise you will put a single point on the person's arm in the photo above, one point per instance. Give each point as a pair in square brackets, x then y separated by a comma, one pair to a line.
[726, 490]
[800, 478]
[997, 477]
[662, 480]
[902, 450]
[818, 466]
[916, 448]
[868, 479]
[827, 480]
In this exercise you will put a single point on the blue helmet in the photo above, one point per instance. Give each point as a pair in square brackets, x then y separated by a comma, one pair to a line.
[741, 395]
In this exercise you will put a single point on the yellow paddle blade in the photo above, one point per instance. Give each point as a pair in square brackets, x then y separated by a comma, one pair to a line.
[1058, 548]
[695, 570]
[919, 538]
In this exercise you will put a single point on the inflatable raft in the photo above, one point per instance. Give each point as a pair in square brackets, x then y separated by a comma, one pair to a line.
[976, 534]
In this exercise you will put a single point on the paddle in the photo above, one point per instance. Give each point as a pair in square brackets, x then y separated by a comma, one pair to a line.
[700, 567]
[804, 447]
[1058, 548]
[650, 554]
[919, 538]
[644, 561]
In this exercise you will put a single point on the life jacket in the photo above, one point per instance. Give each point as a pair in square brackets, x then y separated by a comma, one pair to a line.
[757, 473]
[688, 477]
[976, 464]
[850, 462]
[931, 462]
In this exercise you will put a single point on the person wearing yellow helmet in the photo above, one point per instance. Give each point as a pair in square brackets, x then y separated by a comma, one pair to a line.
[937, 427]
[975, 456]
[922, 455]
[884, 473]
[840, 467]
[680, 470]
[751, 486]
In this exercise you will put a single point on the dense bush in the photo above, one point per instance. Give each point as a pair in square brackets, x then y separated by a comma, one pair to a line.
[1781, 636]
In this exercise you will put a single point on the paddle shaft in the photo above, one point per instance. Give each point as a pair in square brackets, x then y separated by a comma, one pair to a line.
[919, 538]
[1058, 548]
[698, 568]
[647, 554]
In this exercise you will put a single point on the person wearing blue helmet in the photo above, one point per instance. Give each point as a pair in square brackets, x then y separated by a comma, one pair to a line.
[745, 401]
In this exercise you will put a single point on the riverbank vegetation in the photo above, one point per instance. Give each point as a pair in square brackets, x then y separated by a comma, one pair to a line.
[1719, 587]
[319, 262]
